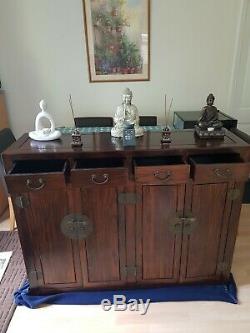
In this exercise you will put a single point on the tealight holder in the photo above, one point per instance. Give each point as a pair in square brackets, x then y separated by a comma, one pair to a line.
[166, 136]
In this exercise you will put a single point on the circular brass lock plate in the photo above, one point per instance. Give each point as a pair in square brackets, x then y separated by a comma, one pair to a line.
[76, 226]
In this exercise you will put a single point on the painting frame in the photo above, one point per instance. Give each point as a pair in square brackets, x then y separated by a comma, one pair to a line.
[136, 67]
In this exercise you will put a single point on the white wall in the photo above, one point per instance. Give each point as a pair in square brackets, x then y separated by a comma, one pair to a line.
[239, 105]
[244, 110]
[43, 55]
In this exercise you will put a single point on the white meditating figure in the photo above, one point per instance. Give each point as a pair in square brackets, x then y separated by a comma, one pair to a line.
[44, 115]
[42, 133]
[126, 114]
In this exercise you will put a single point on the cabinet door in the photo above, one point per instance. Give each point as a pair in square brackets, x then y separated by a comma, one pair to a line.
[103, 251]
[203, 247]
[158, 245]
[53, 256]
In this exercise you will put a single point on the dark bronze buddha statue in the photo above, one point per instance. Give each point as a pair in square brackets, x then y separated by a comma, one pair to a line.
[209, 126]
[209, 118]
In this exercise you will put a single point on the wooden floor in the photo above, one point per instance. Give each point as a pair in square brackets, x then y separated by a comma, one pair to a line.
[185, 317]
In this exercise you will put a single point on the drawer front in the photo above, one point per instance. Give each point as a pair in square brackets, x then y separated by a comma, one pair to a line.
[18, 183]
[99, 177]
[215, 173]
[163, 174]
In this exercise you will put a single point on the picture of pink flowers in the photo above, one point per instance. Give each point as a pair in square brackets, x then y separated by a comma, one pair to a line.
[117, 39]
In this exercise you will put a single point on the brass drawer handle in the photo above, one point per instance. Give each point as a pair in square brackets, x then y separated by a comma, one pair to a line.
[162, 175]
[31, 186]
[96, 181]
[223, 173]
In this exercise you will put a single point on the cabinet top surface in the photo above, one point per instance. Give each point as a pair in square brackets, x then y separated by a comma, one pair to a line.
[183, 141]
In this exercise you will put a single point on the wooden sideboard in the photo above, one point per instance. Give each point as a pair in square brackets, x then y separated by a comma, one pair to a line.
[108, 217]
[3, 124]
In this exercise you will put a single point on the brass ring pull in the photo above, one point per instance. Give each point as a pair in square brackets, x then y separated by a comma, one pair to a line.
[95, 180]
[32, 187]
[223, 173]
[162, 175]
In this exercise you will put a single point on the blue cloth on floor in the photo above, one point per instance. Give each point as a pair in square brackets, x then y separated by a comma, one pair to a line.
[226, 292]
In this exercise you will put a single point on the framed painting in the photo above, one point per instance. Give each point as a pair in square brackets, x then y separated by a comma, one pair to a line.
[117, 39]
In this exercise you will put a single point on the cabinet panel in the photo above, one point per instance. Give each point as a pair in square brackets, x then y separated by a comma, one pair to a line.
[103, 252]
[158, 252]
[55, 256]
[232, 230]
[98, 177]
[201, 249]
[162, 175]
[96, 172]
[165, 170]
[30, 176]
[219, 168]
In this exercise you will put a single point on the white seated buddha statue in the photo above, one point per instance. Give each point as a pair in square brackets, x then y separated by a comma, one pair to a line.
[126, 114]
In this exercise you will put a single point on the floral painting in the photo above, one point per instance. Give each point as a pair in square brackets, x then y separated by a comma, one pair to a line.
[117, 38]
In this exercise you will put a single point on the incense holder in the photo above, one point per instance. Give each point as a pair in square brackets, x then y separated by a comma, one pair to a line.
[166, 136]
[76, 138]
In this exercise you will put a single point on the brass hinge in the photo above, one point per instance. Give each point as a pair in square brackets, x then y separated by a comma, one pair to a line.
[22, 202]
[130, 270]
[128, 198]
[234, 194]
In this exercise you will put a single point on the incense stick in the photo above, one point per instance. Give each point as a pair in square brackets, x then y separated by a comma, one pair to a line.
[72, 109]
[167, 117]
[169, 110]
[165, 109]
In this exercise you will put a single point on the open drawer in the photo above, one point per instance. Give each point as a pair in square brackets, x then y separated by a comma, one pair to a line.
[218, 168]
[161, 170]
[99, 172]
[36, 175]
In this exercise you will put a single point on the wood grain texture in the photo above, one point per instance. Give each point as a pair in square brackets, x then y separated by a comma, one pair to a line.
[54, 260]
[201, 248]
[160, 247]
[18, 183]
[129, 212]
[134, 242]
[102, 253]
[100, 145]
[99, 177]
[232, 230]
[221, 172]
[55, 251]
[160, 175]
[165, 317]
